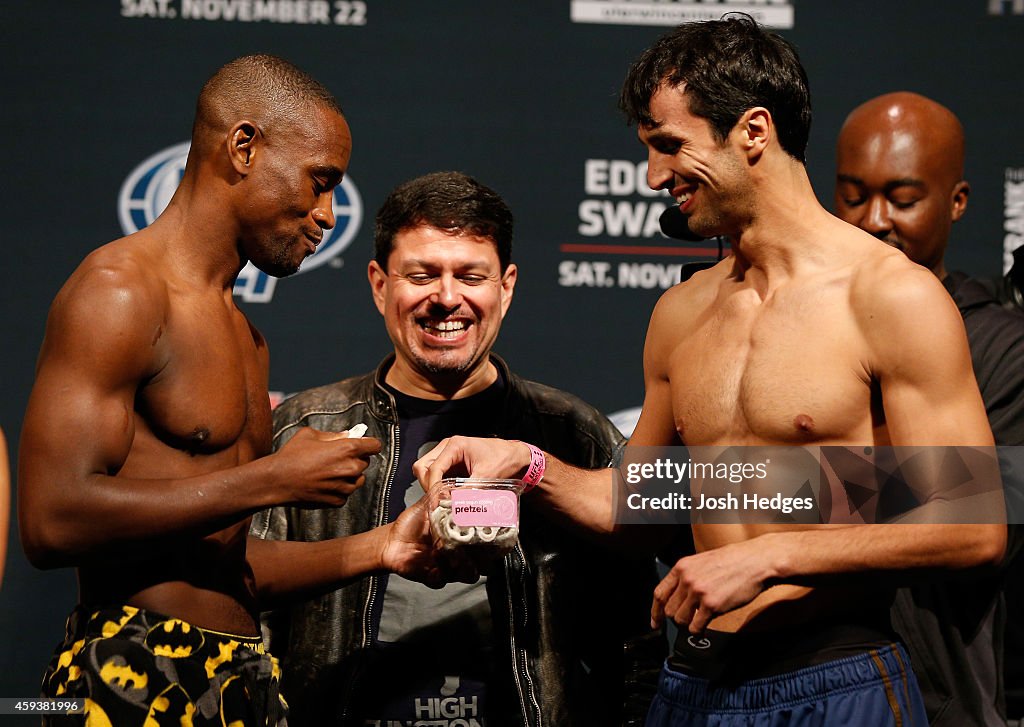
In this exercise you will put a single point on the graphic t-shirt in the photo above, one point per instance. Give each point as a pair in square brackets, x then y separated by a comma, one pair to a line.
[432, 656]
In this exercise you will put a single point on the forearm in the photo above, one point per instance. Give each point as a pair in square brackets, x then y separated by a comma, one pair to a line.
[584, 500]
[577, 497]
[813, 557]
[287, 571]
[77, 520]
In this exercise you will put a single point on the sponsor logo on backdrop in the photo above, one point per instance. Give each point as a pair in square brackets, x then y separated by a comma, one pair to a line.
[1006, 7]
[297, 12]
[1013, 215]
[150, 186]
[770, 13]
[619, 232]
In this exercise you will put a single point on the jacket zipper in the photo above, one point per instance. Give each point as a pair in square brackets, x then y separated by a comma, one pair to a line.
[385, 494]
[519, 658]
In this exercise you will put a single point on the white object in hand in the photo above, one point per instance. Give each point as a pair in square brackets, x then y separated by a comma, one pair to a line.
[357, 431]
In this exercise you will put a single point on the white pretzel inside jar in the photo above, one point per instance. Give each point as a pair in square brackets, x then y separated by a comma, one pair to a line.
[477, 513]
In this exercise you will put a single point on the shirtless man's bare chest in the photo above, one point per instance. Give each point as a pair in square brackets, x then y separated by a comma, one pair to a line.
[778, 368]
[204, 409]
[786, 367]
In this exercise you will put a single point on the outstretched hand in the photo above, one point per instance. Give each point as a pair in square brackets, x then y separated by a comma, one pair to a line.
[412, 552]
[471, 456]
[409, 548]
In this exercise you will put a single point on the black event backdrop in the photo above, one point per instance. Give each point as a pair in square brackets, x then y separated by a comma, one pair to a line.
[518, 94]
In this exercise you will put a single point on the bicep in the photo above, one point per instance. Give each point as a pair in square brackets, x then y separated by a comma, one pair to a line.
[656, 426]
[923, 365]
[80, 416]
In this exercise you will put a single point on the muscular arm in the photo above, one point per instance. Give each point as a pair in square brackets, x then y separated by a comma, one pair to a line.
[930, 398]
[78, 500]
[402, 547]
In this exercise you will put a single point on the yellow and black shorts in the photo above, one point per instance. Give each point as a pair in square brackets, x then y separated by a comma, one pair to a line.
[137, 667]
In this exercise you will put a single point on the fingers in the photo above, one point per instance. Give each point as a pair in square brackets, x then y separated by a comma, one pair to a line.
[676, 598]
[364, 445]
[661, 595]
[330, 436]
[700, 619]
[354, 438]
[432, 467]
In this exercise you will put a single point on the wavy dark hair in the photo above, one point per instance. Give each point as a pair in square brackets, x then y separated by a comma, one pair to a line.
[727, 66]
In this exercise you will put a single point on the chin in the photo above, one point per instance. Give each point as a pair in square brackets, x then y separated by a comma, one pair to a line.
[445, 366]
[279, 271]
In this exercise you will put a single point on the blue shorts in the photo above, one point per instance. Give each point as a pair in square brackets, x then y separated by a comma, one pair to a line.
[873, 689]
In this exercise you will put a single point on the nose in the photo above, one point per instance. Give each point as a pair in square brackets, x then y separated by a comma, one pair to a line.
[323, 212]
[446, 293]
[659, 176]
[877, 218]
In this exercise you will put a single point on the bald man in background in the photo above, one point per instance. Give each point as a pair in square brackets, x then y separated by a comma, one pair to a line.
[899, 176]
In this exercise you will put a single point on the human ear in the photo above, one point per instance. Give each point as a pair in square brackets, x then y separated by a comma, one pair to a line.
[378, 277]
[241, 143]
[961, 191]
[756, 130]
[508, 286]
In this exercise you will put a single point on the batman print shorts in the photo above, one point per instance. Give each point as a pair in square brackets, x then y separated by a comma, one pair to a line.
[135, 667]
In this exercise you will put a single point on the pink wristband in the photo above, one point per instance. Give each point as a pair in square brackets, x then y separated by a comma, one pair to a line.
[535, 472]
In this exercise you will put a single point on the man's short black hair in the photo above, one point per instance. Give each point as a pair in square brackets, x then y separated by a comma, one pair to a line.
[450, 201]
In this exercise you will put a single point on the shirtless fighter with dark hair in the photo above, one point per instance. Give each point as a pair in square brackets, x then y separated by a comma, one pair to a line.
[811, 333]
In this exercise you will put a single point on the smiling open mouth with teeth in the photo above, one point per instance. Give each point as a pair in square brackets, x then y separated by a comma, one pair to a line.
[684, 196]
[444, 329]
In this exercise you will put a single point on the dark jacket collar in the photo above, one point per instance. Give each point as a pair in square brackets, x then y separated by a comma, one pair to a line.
[382, 403]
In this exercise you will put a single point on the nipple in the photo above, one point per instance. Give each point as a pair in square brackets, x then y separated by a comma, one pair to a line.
[804, 423]
[196, 439]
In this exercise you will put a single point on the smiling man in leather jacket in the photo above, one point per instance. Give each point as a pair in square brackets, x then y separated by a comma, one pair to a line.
[550, 634]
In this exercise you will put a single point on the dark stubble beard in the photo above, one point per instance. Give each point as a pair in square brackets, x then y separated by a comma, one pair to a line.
[439, 367]
[279, 262]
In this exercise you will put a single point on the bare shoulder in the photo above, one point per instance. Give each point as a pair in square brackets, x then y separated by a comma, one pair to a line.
[117, 274]
[904, 314]
[684, 303]
[887, 287]
[114, 301]
[677, 312]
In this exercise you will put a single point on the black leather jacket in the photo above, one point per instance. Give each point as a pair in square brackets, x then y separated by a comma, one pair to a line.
[563, 609]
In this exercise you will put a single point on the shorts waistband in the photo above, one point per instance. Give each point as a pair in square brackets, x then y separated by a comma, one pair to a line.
[744, 656]
[888, 666]
[88, 620]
